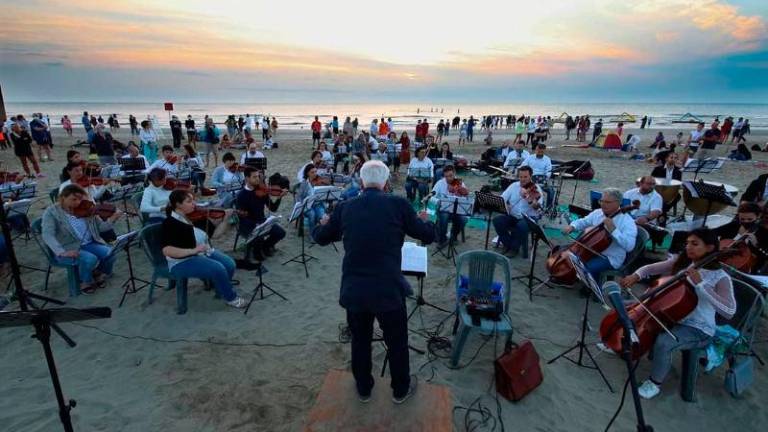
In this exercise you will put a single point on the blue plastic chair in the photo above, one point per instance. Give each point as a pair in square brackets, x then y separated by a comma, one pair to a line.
[640, 241]
[136, 201]
[73, 281]
[481, 269]
[150, 241]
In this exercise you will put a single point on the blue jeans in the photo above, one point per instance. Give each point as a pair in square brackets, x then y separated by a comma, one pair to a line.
[90, 258]
[352, 191]
[457, 224]
[217, 268]
[597, 265]
[411, 186]
[687, 338]
[313, 215]
[512, 232]
[550, 191]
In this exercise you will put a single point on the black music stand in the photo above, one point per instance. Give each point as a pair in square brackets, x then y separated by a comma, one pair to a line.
[259, 163]
[43, 320]
[260, 287]
[123, 194]
[705, 166]
[710, 193]
[457, 208]
[537, 234]
[589, 281]
[298, 214]
[124, 242]
[491, 203]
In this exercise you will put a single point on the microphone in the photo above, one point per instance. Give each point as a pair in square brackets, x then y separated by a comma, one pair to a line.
[612, 292]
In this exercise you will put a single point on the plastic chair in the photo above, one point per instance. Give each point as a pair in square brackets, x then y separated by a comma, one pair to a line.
[150, 241]
[54, 195]
[749, 307]
[73, 281]
[136, 202]
[640, 241]
[481, 269]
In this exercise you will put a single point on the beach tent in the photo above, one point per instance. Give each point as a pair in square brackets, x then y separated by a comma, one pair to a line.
[688, 118]
[625, 117]
[612, 142]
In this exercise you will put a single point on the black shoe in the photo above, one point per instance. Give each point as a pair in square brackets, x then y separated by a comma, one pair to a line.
[411, 391]
[270, 251]
[246, 265]
[364, 398]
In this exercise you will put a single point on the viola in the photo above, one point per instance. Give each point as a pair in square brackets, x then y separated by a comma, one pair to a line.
[172, 159]
[530, 193]
[741, 258]
[321, 181]
[670, 300]
[88, 208]
[456, 187]
[203, 213]
[588, 245]
[263, 190]
[91, 181]
[235, 167]
[90, 169]
[172, 184]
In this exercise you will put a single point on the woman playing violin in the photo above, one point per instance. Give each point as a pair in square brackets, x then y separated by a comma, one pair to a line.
[155, 196]
[714, 290]
[169, 162]
[311, 215]
[747, 224]
[74, 174]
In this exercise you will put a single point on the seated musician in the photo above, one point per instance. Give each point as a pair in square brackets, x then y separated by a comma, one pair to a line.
[316, 160]
[74, 174]
[412, 184]
[650, 201]
[195, 164]
[72, 156]
[355, 184]
[504, 151]
[669, 169]
[133, 153]
[747, 223]
[253, 152]
[714, 290]
[78, 239]
[523, 197]
[327, 156]
[251, 202]
[447, 187]
[225, 176]
[168, 162]
[621, 228]
[188, 252]
[313, 214]
[757, 191]
[542, 170]
[517, 155]
[341, 149]
[155, 196]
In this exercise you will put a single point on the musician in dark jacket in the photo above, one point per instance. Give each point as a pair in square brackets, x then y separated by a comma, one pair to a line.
[747, 224]
[251, 211]
[374, 225]
[669, 170]
[756, 191]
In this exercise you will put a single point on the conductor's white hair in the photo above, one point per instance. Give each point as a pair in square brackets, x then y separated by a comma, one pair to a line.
[374, 174]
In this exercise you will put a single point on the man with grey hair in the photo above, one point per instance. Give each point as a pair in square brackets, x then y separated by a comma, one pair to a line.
[620, 225]
[375, 224]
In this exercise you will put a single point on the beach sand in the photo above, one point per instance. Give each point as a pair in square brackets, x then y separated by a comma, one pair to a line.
[263, 371]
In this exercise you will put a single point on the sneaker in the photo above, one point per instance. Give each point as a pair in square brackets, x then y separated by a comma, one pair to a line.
[411, 391]
[41, 175]
[648, 390]
[364, 398]
[238, 303]
[88, 290]
[604, 348]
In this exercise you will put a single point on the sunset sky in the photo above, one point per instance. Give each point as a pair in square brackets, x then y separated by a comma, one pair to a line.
[395, 50]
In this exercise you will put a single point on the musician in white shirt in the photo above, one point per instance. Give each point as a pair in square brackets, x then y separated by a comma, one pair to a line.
[521, 199]
[541, 165]
[316, 159]
[650, 201]
[448, 187]
[621, 227]
[169, 162]
[253, 152]
[133, 153]
[517, 155]
[412, 184]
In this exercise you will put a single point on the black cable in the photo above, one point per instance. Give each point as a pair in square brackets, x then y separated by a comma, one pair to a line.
[623, 396]
[201, 341]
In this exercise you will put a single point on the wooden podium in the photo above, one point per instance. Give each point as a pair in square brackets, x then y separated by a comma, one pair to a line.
[338, 409]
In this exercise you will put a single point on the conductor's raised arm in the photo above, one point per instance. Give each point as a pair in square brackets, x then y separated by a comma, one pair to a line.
[417, 226]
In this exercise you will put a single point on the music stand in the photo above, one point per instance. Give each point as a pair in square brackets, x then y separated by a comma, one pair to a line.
[133, 169]
[124, 242]
[455, 206]
[699, 166]
[491, 203]
[537, 234]
[259, 163]
[260, 232]
[710, 193]
[298, 215]
[589, 281]
[43, 320]
[123, 194]
[420, 175]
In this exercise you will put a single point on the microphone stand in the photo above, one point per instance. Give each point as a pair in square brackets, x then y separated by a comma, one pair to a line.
[626, 354]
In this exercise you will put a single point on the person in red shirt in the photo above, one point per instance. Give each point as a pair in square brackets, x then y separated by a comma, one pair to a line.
[316, 128]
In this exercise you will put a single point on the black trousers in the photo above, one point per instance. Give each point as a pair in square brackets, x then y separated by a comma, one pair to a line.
[176, 139]
[394, 325]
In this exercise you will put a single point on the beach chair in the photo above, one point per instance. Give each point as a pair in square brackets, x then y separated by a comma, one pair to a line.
[150, 242]
[749, 307]
[73, 281]
[640, 241]
[136, 202]
[481, 266]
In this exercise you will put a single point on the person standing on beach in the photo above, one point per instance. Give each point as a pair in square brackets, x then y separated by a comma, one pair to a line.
[134, 125]
[86, 122]
[317, 127]
[189, 125]
[148, 140]
[66, 123]
[211, 139]
[42, 136]
[22, 148]
[176, 131]
[375, 224]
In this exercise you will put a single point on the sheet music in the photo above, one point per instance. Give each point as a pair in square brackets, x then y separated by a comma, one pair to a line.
[261, 229]
[414, 258]
[20, 206]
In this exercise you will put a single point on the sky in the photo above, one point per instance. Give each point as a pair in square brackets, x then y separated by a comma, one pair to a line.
[399, 50]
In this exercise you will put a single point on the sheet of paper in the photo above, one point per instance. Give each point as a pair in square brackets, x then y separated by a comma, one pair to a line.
[414, 258]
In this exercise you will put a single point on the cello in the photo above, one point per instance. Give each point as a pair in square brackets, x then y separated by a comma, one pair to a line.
[659, 308]
[588, 245]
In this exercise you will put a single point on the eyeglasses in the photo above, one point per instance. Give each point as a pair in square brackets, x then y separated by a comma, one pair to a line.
[608, 201]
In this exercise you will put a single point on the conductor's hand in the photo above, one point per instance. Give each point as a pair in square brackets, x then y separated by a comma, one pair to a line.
[324, 220]
[424, 216]
[629, 281]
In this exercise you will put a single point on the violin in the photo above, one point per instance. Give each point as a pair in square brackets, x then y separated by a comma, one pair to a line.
[321, 181]
[456, 187]
[90, 169]
[172, 184]
[236, 167]
[530, 193]
[588, 245]
[11, 177]
[671, 299]
[88, 208]
[263, 190]
[172, 159]
[741, 258]
[203, 213]
[92, 181]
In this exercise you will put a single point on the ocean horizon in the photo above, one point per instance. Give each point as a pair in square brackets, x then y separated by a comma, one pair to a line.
[300, 115]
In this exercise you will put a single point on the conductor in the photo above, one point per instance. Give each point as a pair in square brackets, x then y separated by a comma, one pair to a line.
[374, 224]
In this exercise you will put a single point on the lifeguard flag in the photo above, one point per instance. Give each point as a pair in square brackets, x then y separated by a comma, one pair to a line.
[168, 106]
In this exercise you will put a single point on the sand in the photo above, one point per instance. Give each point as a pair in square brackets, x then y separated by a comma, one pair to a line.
[163, 376]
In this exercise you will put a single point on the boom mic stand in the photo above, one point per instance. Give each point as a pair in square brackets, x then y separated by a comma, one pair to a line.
[626, 355]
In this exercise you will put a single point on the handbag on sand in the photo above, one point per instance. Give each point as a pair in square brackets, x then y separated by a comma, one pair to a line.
[740, 376]
[518, 371]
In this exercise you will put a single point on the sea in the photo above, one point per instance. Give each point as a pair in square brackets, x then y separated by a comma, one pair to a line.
[300, 116]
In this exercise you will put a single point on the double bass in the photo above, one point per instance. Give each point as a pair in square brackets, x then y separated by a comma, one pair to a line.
[672, 299]
[588, 245]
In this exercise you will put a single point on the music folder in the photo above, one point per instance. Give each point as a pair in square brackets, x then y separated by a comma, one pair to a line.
[414, 259]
